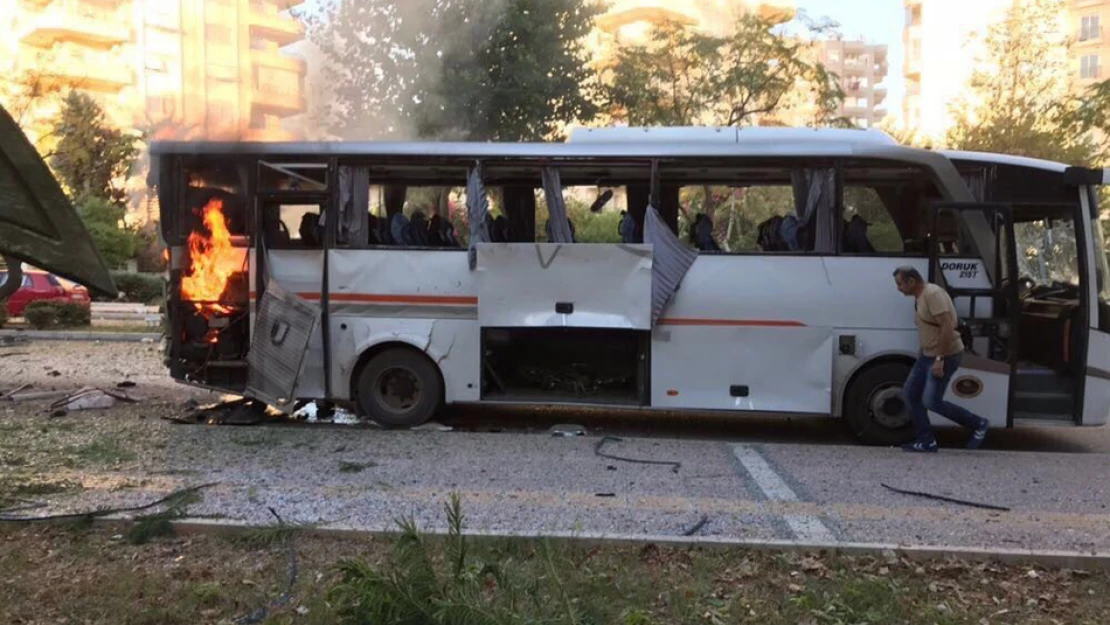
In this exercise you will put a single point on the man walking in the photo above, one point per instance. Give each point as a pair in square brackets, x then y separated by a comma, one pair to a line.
[941, 353]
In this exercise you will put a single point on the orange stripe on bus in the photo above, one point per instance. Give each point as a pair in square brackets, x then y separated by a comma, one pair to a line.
[433, 300]
[732, 323]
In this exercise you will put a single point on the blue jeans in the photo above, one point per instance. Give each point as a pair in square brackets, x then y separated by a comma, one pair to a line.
[924, 392]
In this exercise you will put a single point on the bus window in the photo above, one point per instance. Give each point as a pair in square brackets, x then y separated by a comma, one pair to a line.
[733, 218]
[595, 214]
[294, 226]
[213, 182]
[868, 227]
[305, 175]
[1047, 251]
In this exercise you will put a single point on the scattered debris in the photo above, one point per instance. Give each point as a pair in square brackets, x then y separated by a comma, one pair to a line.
[16, 390]
[54, 373]
[962, 502]
[697, 526]
[675, 466]
[241, 411]
[355, 467]
[40, 396]
[308, 412]
[432, 426]
[605, 494]
[260, 614]
[172, 497]
[90, 399]
[10, 354]
[567, 430]
[126, 384]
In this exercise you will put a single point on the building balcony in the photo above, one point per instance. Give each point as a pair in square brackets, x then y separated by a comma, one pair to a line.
[267, 21]
[77, 21]
[879, 95]
[283, 102]
[275, 59]
[107, 72]
[912, 67]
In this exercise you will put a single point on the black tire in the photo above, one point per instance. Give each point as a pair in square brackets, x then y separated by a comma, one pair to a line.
[399, 387]
[874, 409]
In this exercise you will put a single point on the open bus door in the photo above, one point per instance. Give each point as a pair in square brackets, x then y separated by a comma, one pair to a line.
[982, 286]
[38, 225]
[1096, 371]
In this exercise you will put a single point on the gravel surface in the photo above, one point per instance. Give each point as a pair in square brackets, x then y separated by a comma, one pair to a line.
[527, 480]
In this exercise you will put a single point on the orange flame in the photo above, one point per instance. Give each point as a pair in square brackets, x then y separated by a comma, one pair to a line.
[212, 262]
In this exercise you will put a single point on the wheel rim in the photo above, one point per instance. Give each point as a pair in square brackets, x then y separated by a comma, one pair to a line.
[888, 407]
[398, 390]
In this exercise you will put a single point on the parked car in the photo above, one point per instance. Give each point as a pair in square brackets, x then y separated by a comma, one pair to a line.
[39, 285]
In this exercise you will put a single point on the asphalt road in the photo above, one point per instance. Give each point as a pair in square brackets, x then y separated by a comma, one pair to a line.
[752, 478]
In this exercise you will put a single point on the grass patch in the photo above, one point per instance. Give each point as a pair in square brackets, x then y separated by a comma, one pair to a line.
[429, 580]
[15, 488]
[355, 467]
[104, 451]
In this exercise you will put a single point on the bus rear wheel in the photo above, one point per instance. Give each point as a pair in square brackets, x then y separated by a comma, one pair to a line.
[399, 387]
[874, 408]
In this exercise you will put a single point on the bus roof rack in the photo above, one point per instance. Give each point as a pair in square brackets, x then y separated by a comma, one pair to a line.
[718, 135]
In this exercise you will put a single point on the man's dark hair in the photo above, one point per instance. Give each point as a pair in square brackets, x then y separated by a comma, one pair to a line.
[908, 273]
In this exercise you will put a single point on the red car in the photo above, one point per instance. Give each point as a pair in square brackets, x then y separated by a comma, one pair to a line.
[39, 285]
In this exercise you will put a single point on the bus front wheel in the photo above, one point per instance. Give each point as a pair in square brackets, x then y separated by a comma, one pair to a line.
[399, 387]
[874, 408]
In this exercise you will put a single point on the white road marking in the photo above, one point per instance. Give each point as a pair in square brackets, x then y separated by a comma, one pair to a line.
[806, 527]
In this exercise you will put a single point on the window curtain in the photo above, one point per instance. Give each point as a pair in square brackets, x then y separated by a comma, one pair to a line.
[477, 210]
[557, 225]
[354, 206]
[815, 203]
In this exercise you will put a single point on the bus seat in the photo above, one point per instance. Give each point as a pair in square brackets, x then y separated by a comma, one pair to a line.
[399, 230]
[701, 234]
[373, 230]
[310, 230]
[418, 229]
[627, 228]
[499, 230]
[854, 239]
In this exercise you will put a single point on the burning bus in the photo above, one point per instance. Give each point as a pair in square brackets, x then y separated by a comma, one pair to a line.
[321, 271]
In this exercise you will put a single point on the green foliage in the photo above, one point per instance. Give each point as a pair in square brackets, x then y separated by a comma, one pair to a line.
[113, 239]
[44, 314]
[455, 69]
[142, 288]
[1018, 99]
[92, 158]
[683, 77]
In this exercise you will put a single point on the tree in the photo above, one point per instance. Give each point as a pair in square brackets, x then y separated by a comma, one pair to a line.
[116, 242]
[1018, 98]
[455, 69]
[685, 77]
[92, 159]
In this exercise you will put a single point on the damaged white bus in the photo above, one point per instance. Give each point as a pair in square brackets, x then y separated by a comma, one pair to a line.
[323, 271]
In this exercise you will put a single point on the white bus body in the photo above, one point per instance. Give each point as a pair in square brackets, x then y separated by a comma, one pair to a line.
[822, 333]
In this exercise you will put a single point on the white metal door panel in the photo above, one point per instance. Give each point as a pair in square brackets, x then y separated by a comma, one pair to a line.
[1096, 394]
[785, 369]
[983, 387]
[527, 284]
[301, 272]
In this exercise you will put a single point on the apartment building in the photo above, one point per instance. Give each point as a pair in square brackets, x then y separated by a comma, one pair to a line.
[629, 21]
[1090, 47]
[940, 57]
[199, 69]
[862, 68]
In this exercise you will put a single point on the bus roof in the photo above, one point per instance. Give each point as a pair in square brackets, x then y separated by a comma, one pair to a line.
[1005, 159]
[728, 135]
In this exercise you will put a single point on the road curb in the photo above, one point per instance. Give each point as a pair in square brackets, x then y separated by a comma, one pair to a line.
[1071, 560]
[107, 337]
